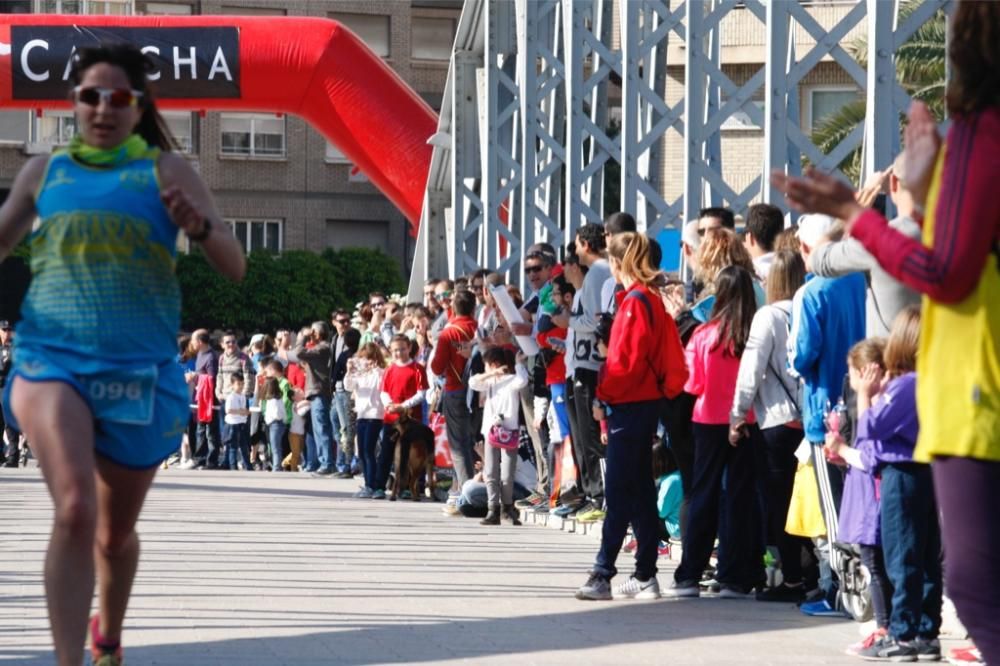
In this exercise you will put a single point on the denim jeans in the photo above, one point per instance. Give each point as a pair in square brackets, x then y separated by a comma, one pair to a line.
[631, 491]
[911, 543]
[723, 500]
[275, 433]
[383, 464]
[236, 438]
[368, 434]
[311, 463]
[209, 449]
[343, 427]
[319, 407]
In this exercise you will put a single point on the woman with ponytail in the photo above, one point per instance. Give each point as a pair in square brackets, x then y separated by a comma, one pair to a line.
[636, 377]
[94, 385]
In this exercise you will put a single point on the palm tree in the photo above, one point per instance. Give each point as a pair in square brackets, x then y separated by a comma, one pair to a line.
[920, 68]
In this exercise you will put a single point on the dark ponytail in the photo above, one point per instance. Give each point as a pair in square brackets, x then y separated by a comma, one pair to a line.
[137, 66]
[735, 306]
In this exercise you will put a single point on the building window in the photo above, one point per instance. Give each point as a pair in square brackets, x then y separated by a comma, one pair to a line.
[55, 128]
[160, 8]
[256, 235]
[373, 29]
[181, 126]
[821, 103]
[253, 135]
[16, 7]
[334, 156]
[431, 38]
[111, 7]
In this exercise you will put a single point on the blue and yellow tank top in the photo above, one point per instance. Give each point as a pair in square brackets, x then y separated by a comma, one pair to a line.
[103, 292]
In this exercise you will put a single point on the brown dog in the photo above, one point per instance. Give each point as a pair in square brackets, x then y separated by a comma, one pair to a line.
[414, 444]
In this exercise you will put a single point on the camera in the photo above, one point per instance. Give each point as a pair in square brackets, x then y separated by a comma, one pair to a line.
[604, 324]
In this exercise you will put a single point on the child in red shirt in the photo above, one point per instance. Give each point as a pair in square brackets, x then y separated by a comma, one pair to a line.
[403, 390]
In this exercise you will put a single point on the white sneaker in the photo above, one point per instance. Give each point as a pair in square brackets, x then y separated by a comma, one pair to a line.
[734, 593]
[187, 464]
[450, 510]
[683, 590]
[633, 588]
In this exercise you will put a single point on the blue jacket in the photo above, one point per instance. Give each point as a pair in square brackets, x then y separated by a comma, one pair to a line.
[828, 318]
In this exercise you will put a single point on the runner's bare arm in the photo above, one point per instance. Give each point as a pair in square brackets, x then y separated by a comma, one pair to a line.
[190, 206]
[18, 211]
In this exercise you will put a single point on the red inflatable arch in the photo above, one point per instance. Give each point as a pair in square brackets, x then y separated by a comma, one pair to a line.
[310, 67]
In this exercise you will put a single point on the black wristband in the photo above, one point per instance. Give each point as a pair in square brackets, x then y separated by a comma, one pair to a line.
[205, 231]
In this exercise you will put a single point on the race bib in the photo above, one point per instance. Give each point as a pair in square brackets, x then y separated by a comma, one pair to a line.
[122, 396]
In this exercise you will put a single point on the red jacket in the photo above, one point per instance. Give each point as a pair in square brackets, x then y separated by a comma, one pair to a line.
[555, 371]
[447, 362]
[642, 349]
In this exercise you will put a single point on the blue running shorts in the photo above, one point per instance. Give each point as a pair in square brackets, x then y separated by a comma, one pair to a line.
[140, 413]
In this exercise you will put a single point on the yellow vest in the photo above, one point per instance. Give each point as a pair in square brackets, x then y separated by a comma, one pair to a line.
[958, 362]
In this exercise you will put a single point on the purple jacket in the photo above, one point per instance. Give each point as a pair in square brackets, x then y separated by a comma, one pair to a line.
[860, 511]
[887, 432]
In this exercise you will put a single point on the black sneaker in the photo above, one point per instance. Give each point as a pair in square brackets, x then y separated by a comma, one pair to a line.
[928, 649]
[783, 594]
[888, 648]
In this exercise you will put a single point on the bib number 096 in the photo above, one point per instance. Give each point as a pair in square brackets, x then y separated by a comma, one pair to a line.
[115, 391]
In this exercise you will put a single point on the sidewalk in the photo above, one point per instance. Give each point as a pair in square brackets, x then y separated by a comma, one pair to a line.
[247, 569]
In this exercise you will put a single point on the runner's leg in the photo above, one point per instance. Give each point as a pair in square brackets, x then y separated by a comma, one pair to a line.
[60, 427]
[120, 495]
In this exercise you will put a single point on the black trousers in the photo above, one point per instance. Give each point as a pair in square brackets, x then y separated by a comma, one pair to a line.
[723, 501]
[587, 440]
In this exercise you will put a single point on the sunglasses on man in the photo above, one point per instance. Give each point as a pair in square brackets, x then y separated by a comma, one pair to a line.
[534, 269]
[116, 98]
[443, 296]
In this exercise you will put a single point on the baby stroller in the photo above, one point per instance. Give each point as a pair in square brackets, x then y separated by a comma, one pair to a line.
[853, 594]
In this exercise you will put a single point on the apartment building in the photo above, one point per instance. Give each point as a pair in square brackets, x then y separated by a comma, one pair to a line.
[276, 180]
[281, 186]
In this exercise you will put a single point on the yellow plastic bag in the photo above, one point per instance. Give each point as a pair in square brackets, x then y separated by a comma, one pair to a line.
[805, 518]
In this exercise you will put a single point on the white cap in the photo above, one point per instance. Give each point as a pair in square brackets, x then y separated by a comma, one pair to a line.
[813, 228]
[690, 235]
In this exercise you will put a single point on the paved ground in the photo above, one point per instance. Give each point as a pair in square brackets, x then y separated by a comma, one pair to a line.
[253, 569]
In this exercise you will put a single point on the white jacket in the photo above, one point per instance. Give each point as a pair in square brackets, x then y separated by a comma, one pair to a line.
[764, 382]
[367, 389]
[503, 397]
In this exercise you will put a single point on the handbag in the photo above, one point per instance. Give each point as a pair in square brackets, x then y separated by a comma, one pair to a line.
[503, 438]
[805, 517]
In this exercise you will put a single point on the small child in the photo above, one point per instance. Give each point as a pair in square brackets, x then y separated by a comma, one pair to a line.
[365, 371]
[669, 494]
[402, 392]
[502, 382]
[275, 419]
[236, 429]
[859, 507]
[911, 536]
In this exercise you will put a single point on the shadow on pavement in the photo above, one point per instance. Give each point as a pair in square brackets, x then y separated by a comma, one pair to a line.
[606, 624]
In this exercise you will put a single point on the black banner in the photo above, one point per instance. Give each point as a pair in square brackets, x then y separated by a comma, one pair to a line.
[190, 62]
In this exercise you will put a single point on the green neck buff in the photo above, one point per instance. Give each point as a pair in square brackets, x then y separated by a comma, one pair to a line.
[132, 148]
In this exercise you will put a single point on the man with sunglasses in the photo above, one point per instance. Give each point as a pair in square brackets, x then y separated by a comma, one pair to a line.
[540, 266]
[11, 455]
[233, 360]
[444, 290]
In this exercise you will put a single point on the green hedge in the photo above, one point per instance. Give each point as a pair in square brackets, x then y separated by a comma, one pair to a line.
[286, 290]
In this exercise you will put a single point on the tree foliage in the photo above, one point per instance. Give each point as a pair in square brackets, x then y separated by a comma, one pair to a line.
[287, 290]
[920, 69]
